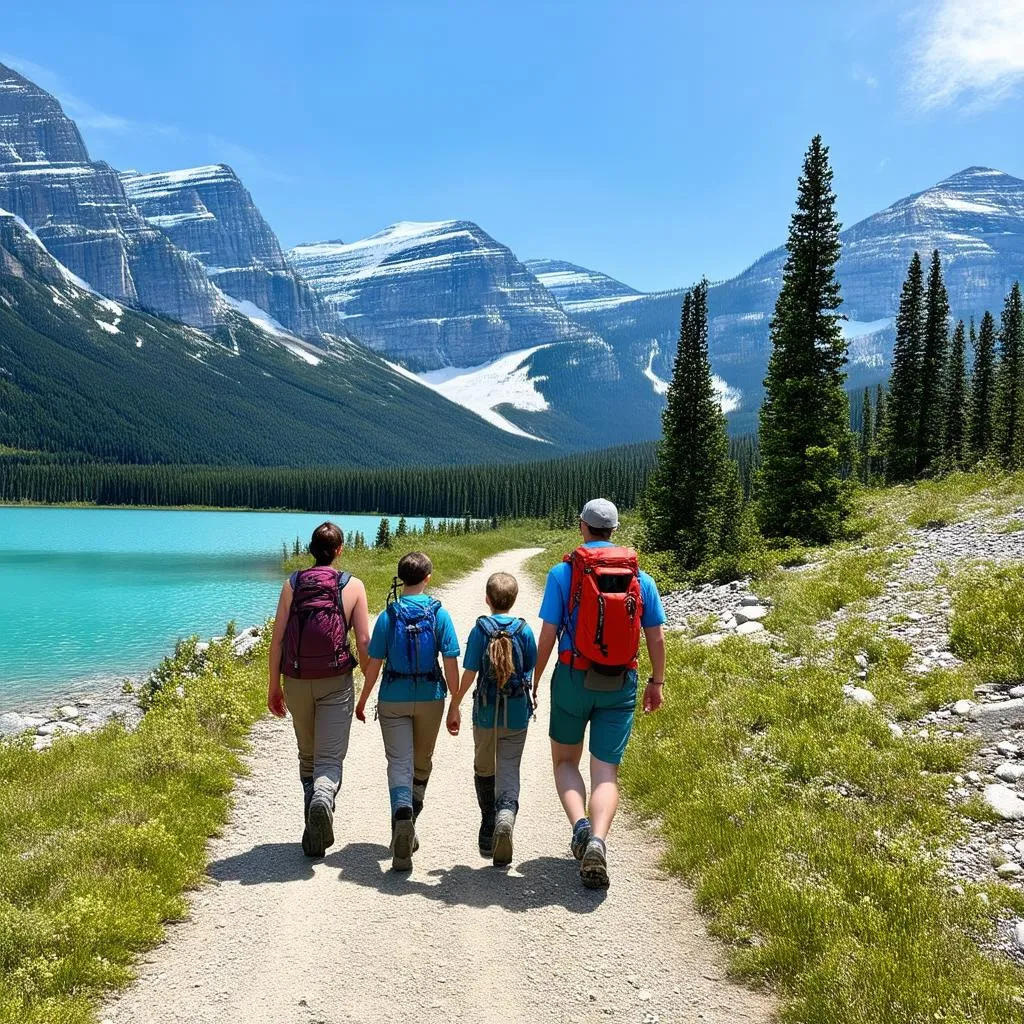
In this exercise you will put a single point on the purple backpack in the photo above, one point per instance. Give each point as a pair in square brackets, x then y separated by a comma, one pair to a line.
[316, 638]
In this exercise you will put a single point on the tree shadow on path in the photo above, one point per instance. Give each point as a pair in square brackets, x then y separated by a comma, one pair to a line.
[542, 882]
[263, 864]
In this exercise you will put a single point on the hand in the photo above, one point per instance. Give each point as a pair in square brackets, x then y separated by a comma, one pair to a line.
[536, 698]
[654, 695]
[275, 699]
[361, 710]
[454, 722]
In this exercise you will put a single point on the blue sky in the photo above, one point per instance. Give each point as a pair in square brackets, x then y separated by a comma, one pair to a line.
[654, 141]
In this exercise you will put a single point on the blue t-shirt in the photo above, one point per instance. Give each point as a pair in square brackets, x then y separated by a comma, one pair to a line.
[556, 599]
[406, 688]
[516, 710]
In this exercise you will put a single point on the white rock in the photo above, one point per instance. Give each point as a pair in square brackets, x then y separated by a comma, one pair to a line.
[1009, 870]
[11, 724]
[1004, 802]
[1017, 691]
[753, 613]
[1007, 749]
[896, 730]
[973, 777]
[49, 729]
[746, 628]
[1010, 710]
[248, 643]
[858, 694]
[750, 600]
[1018, 934]
[1010, 772]
[861, 661]
[42, 742]
[914, 616]
[1019, 849]
[727, 624]
[963, 707]
[68, 711]
[202, 647]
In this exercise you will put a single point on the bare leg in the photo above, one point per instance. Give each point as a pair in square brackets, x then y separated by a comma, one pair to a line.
[604, 796]
[568, 781]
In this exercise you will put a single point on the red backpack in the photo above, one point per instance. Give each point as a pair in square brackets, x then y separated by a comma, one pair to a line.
[316, 637]
[605, 592]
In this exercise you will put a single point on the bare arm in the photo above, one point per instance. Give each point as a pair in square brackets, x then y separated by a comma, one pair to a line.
[653, 692]
[275, 695]
[454, 714]
[451, 675]
[545, 646]
[371, 673]
[360, 622]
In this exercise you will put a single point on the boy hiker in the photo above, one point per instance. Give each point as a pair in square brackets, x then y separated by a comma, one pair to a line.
[502, 651]
[409, 639]
[317, 609]
[595, 604]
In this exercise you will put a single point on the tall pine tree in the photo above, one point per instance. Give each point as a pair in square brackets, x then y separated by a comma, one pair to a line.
[903, 409]
[955, 416]
[1009, 414]
[867, 436]
[806, 442]
[981, 414]
[934, 357]
[693, 498]
[877, 450]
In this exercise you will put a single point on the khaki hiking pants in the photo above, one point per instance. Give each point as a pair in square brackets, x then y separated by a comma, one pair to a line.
[321, 711]
[499, 752]
[410, 731]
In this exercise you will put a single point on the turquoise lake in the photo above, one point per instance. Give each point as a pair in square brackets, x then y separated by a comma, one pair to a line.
[92, 595]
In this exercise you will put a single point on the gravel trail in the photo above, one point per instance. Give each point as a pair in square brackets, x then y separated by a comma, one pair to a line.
[276, 939]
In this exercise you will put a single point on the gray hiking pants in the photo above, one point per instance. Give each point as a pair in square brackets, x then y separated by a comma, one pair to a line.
[321, 711]
[410, 731]
[499, 752]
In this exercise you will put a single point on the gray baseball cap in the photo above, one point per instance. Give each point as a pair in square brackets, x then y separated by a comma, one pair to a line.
[601, 514]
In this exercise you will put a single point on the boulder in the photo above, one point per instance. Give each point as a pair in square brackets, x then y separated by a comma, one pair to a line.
[751, 613]
[1018, 934]
[1010, 772]
[1007, 749]
[861, 661]
[896, 730]
[11, 724]
[1004, 802]
[68, 711]
[1009, 870]
[746, 628]
[858, 694]
[1010, 711]
[963, 707]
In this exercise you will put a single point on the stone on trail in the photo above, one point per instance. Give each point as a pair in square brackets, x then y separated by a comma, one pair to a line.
[1018, 934]
[1010, 772]
[963, 707]
[1004, 802]
[1017, 691]
[1009, 870]
[1007, 748]
[858, 694]
[749, 601]
[746, 628]
[1011, 711]
[68, 711]
[753, 613]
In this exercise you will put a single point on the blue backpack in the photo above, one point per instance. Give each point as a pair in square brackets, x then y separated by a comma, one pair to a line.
[520, 681]
[413, 649]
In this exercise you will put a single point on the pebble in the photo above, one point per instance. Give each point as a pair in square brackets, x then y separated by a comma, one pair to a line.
[858, 694]
[1009, 869]
[861, 661]
[963, 707]
[1004, 802]
[973, 777]
[896, 730]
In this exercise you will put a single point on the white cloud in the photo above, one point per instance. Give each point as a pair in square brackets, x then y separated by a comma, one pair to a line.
[971, 50]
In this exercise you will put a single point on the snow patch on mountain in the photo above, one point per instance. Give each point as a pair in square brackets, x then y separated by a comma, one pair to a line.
[262, 319]
[577, 288]
[482, 389]
[728, 397]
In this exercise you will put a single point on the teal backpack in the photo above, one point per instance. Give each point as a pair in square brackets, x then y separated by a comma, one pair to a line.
[520, 681]
[413, 649]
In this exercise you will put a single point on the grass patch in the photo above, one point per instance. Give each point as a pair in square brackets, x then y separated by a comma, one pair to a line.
[100, 835]
[988, 620]
[811, 835]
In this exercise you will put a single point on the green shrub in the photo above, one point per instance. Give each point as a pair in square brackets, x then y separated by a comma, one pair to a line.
[988, 620]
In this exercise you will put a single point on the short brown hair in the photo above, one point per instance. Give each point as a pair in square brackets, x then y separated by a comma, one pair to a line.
[502, 591]
[326, 542]
[414, 568]
[600, 532]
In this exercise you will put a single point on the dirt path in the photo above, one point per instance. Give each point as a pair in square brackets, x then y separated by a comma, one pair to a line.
[276, 939]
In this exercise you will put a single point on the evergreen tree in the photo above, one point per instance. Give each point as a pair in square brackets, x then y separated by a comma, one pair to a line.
[692, 502]
[954, 444]
[980, 422]
[878, 433]
[806, 440]
[867, 435]
[934, 359]
[1009, 414]
[383, 535]
[402, 530]
[903, 408]
[428, 526]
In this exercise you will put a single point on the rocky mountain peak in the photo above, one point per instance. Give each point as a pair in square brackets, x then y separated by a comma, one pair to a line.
[33, 126]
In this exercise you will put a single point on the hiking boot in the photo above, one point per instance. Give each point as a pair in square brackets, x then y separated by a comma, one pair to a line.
[403, 839]
[307, 796]
[504, 823]
[419, 789]
[594, 865]
[580, 838]
[319, 834]
[485, 798]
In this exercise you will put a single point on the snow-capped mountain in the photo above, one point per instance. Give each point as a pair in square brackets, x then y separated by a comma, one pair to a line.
[578, 289]
[975, 219]
[208, 212]
[79, 210]
[81, 373]
[435, 294]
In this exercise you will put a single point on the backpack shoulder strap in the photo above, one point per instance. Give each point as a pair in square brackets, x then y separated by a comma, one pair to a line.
[488, 626]
[343, 580]
[294, 578]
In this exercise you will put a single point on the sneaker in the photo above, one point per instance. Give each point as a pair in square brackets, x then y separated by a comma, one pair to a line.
[319, 834]
[594, 865]
[580, 838]
[403, 842]
[503, 825]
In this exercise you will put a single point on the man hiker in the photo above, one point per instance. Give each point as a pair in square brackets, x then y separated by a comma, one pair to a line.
[596, 603]
[317, 610]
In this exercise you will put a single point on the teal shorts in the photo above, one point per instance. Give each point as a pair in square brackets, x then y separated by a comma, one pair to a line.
[610, 714]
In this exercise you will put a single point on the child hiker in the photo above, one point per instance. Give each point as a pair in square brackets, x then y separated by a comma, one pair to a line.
[502, 652]
[409, 639]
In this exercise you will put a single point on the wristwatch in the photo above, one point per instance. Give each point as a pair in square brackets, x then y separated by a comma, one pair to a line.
[656, 682]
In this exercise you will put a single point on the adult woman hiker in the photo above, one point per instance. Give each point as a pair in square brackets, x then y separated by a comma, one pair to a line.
[317, 609]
